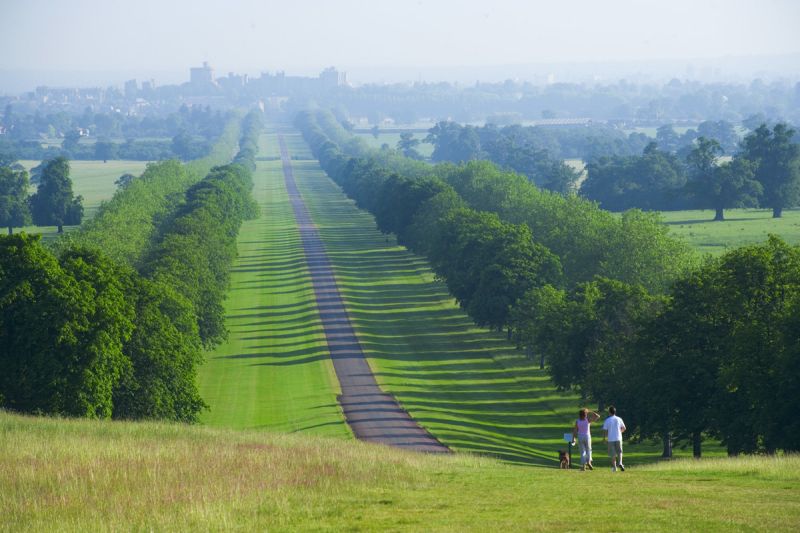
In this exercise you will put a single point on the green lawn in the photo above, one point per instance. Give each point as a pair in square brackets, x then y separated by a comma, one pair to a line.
[741, 227]
[82, 475]
[273, 372]
[94, 180]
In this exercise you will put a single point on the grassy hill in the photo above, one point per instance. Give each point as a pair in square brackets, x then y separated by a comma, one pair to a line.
[79, 475]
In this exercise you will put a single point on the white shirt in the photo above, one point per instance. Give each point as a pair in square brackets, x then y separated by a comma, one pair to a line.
[614, 425]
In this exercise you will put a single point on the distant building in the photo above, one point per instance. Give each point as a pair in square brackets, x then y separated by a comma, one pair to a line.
[131, 89]
[331, 78]
[201, 75]
[233, 81]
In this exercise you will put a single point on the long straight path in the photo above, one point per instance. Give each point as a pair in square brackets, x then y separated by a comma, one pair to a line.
[372, 414]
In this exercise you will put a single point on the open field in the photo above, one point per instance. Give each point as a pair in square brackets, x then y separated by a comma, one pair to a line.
[94, 180]
[741, 227]
[391, 138]
[80, 475]
[273, 372]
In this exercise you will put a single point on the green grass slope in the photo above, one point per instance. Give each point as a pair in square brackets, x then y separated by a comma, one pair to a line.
[741, 227]
[78, 475]
[273, 372]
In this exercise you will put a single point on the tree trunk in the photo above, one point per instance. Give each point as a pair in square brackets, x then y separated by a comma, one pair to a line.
[667, 439]
[60, 228]
[508, 334]
[541, 361]
[777, 212]
[719, 214]
[696, 445]
[10, 231]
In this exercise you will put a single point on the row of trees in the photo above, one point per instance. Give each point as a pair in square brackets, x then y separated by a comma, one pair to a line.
[765, 172]
[126, 226]
[719, 355]
[187, 134]
[82, 334]
[55, 204]
[583, 289]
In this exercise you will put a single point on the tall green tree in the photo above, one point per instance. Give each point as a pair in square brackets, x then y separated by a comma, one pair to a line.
[105, 150]
[164, 352]
[408, 145]
[777, 165]
[54, 204]
[62, 328]
[718, 353]
[71, 140]
[14, 210]
[720, 186]
[586, 334]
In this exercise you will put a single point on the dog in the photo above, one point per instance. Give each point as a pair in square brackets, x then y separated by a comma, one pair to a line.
[563, 457]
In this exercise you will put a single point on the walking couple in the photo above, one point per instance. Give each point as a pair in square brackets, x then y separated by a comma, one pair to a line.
[613, 427]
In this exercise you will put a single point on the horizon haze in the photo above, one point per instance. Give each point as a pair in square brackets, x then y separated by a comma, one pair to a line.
[88, 42]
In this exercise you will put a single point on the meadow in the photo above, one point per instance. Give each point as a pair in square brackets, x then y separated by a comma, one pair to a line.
[94, 180]
[740, 227]
[81, 475]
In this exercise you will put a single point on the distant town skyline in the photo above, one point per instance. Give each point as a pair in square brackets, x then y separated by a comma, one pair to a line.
[97, 42]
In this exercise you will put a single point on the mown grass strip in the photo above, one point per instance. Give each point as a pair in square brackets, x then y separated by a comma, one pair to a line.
[273, 371]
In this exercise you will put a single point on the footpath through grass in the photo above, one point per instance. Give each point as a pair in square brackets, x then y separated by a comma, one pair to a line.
[79, 475]
[741, 227]
[274, 371]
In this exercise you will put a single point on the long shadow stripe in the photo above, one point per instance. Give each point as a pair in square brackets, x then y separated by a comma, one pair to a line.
[372, 414]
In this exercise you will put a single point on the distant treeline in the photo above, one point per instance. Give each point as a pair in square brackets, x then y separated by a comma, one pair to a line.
[633, 171]
[613, 306]
[86, 333]
[190, 133]
[623, 101]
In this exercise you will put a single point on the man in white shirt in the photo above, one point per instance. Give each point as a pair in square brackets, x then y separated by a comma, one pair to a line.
[613, 428]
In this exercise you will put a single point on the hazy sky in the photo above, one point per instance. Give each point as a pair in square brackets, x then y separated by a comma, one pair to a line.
[306, 35]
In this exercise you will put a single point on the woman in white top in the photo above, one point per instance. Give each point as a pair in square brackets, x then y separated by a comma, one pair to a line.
[583, 434]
